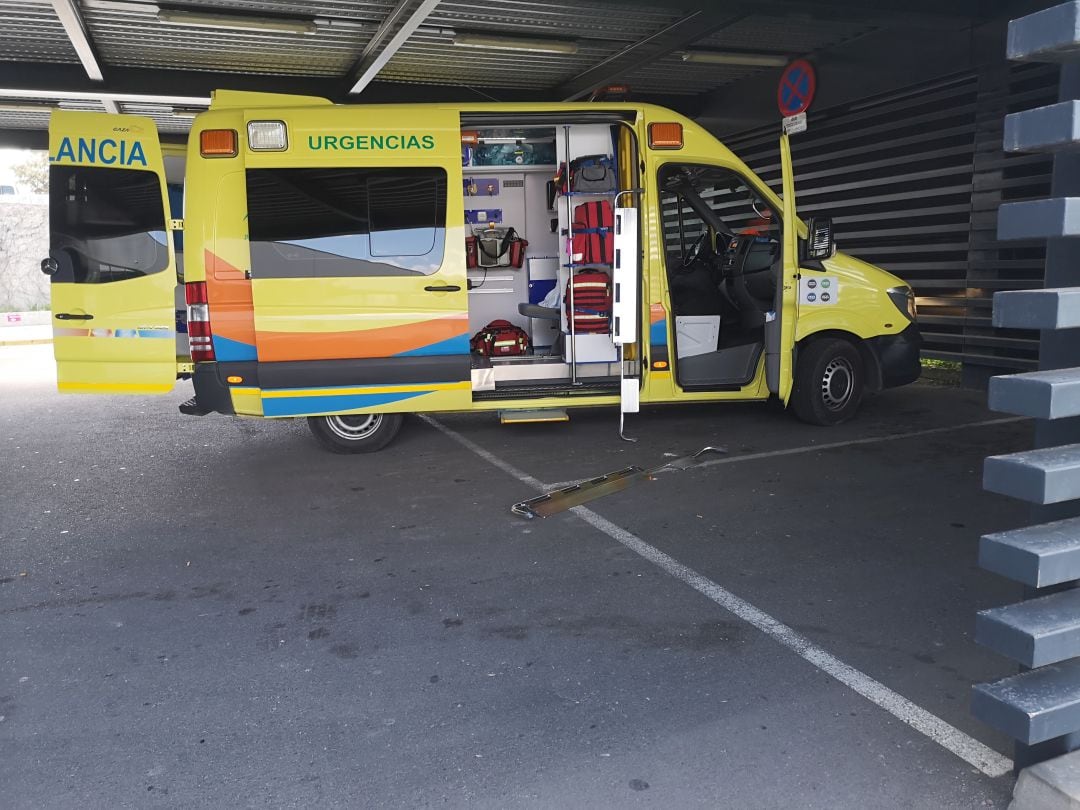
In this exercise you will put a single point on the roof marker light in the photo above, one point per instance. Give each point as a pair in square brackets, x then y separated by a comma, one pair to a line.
[217, 143]
[667, 135]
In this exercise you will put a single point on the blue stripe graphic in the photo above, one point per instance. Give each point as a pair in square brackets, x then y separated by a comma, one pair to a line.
[658, 333]
[226, 349]
[331, 403]
[458, 344]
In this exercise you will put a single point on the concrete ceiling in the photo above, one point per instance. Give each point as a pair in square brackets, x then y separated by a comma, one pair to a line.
[164, 58]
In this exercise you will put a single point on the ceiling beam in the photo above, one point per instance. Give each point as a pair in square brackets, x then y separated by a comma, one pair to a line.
[192, 88]
[686, 30]
[368, 53]
[72, 20]
[24, 138]
[369, 67]
[902, 13]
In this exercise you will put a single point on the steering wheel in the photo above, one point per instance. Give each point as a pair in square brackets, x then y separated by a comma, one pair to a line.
[694, 253]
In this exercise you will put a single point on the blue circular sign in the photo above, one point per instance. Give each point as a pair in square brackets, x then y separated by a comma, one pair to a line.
[798, 83]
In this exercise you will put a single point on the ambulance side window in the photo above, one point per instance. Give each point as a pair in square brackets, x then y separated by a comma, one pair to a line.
[105, 225]
[346, 222]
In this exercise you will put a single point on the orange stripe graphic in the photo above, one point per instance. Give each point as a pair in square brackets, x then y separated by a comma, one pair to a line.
[384, 341]
[231, 310]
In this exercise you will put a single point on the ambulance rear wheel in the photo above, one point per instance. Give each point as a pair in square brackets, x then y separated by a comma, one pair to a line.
[355, 433]
[828, 382]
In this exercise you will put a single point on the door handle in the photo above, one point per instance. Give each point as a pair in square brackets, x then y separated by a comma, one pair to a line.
[442, 288]
[71, 316]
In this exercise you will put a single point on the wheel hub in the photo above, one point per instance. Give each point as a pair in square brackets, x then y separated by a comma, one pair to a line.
[837, 383]
[354, 428]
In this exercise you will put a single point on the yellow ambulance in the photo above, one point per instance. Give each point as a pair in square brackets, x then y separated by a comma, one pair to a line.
[350, 264]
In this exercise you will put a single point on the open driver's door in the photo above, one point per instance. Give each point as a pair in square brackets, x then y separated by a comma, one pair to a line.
[780, 333]
[111, 260]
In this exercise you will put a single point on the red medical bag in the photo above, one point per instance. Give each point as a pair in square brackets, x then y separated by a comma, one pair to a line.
[592, 301]
[500, 339]
[593, 234]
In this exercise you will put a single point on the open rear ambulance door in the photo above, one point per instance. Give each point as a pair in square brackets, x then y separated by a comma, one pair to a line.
[111, 261]
[780, 332]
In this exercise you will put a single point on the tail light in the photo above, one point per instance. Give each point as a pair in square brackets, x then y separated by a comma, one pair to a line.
[200, 338]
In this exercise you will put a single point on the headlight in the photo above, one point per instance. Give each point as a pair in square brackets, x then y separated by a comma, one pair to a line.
[904, 298]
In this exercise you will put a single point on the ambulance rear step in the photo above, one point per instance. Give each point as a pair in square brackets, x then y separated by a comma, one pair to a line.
[522, 416]
[191, 407]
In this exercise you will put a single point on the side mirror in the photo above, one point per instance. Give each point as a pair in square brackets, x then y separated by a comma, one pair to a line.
[820, 240]
[50, 266]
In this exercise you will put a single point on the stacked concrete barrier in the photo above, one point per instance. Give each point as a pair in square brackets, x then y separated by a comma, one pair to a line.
[1040, 706]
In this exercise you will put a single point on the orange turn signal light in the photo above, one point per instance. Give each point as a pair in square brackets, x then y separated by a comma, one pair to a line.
[217, 143]
[660, 365]
[667, 135]
[234, 379]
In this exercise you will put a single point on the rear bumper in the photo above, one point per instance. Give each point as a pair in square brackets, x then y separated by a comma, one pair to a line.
[898, 356]
[211, 391]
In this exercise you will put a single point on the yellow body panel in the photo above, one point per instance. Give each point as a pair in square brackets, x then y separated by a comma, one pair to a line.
[864, 309]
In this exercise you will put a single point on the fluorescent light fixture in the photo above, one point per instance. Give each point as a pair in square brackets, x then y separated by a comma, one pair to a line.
[149, 109]
[200, 19]
[159, 109]
[514, 44]
[27, 108]
[732, 58]
[69, 96]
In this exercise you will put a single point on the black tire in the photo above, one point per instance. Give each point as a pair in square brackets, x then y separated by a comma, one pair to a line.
[829, 381]
[355, 433]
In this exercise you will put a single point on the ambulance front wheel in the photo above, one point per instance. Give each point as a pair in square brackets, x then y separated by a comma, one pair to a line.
[355, 433]
[828, 382]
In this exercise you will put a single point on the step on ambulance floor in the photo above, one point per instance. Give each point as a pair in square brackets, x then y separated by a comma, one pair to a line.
[215, 612]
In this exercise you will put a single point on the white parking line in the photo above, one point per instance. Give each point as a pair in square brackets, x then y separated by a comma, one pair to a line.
[813, 448]
[969, 749]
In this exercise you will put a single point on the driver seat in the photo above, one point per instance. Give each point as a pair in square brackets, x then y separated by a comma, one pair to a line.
[752, 309]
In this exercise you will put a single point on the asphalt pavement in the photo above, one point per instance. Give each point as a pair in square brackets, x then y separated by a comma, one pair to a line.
[213, 612]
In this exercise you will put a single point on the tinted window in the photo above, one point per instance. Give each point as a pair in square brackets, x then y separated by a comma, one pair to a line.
[105, 224]
[346, 222]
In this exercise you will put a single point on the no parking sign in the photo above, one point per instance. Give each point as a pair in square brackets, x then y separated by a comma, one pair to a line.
[796, 90]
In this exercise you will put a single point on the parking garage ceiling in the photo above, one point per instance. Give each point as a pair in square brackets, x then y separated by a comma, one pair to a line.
[163, 59]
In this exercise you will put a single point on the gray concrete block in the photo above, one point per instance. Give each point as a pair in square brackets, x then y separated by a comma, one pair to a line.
[1052, 35]
[1034, 706]
[1050, 785]
[1050, 475]
[1053, 308]
[1038, 556]
[1041, 394]
[1044, 129]
[1039, 219]
[1035, 632]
